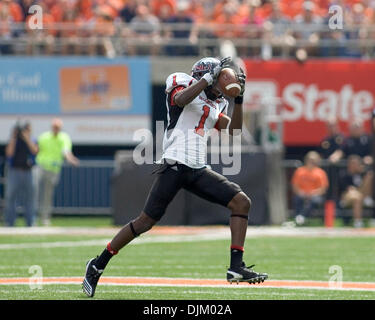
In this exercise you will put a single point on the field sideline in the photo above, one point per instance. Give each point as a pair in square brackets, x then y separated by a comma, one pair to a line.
[189, 263]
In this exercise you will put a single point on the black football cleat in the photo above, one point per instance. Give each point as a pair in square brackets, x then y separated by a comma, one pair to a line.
[91, 278]
[245, 274]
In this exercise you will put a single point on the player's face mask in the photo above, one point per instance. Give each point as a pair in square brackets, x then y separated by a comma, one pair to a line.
[200, 68]
[212, 92]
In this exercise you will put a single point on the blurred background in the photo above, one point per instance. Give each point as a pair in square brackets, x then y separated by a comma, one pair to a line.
[100, 67]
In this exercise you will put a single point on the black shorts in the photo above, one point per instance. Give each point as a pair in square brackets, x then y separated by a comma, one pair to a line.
[203, 182]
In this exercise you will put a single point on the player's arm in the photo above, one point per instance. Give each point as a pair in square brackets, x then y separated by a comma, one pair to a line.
[235, 126]
[187, 95]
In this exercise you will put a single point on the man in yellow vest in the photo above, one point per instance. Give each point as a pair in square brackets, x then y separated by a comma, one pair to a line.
[55, 146]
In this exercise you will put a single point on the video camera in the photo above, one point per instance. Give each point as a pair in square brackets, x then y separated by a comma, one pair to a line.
[19, 127]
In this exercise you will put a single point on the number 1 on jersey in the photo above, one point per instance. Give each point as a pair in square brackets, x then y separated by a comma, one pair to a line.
[200, 128]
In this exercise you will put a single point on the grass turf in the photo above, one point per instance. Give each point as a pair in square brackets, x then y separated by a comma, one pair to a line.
[289, 258]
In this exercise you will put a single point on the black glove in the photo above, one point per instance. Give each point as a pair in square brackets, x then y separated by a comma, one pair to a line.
[241, 77]
[212, 76]
[225, 62]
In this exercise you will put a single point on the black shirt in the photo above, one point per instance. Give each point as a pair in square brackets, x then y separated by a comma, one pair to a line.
[330, 144]
[350, 180]
[22, 158]
[360, 146]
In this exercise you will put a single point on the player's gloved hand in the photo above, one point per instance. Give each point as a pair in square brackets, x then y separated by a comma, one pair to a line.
[225, 62]
[212, 76]
[241, 77]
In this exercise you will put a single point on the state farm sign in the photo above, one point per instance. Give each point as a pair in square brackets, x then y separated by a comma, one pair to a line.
[311, 93]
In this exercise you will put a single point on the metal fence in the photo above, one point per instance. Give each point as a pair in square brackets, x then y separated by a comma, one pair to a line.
[85, 189]
[81, 190]
[118, 38]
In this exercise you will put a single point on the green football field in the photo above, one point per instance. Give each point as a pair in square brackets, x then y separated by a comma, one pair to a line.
[189, 264]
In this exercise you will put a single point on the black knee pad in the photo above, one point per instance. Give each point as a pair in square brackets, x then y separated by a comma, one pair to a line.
[135, 234]
[138, 231]
[243, 216]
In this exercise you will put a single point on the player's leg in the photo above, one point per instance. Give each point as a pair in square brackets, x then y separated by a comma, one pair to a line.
[216, 188]
[133, 229]
[240, 207]
[163, 190]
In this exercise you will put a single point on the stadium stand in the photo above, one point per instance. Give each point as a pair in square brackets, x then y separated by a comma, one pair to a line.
[120, 27]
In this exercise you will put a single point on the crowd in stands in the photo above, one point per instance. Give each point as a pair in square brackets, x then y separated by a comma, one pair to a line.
[349, 186]
[280, 27]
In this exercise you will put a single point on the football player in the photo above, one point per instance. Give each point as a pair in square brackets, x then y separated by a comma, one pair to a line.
[195, 105]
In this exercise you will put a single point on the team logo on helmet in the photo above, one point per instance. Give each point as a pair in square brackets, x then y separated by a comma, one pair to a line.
[203, 66]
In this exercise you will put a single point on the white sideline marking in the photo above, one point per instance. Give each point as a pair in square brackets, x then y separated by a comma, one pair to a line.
[252, 231]
[101, 242]
[207, 234]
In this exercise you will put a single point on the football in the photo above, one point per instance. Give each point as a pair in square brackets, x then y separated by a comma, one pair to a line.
[228, 83]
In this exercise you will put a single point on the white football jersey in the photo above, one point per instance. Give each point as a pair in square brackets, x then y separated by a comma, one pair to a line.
[185, 139]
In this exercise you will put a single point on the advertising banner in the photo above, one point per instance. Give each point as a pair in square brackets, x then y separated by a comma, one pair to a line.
[310, 93]
[101, 101]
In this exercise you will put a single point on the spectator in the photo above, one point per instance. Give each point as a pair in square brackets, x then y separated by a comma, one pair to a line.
[355, 188]
[145, 28]
[251, 23]
[13, 8]
[333, 141]
[227, 23]
[203, 15]
[9, 13]
[279, 28]
[20, 153]
[188, 35]
[70, 44]
[310, 29]
[218, 8]
[358, 143]
[24, 7]
[329, 144]
[128, 12]
[41, 41]
[336, 37]
[102, 31]
[369, 31]
[54, 147]
[157, 5]
[355, 21]
[309, 184]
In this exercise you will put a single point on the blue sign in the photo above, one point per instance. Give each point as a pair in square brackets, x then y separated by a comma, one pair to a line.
[74, 85]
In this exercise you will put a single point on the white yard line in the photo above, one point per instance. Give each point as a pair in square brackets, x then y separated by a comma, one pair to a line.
[203, 234]
[101, 242]
[186, 230]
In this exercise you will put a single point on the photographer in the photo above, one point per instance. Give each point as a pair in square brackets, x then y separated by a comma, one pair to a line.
[20, 153]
